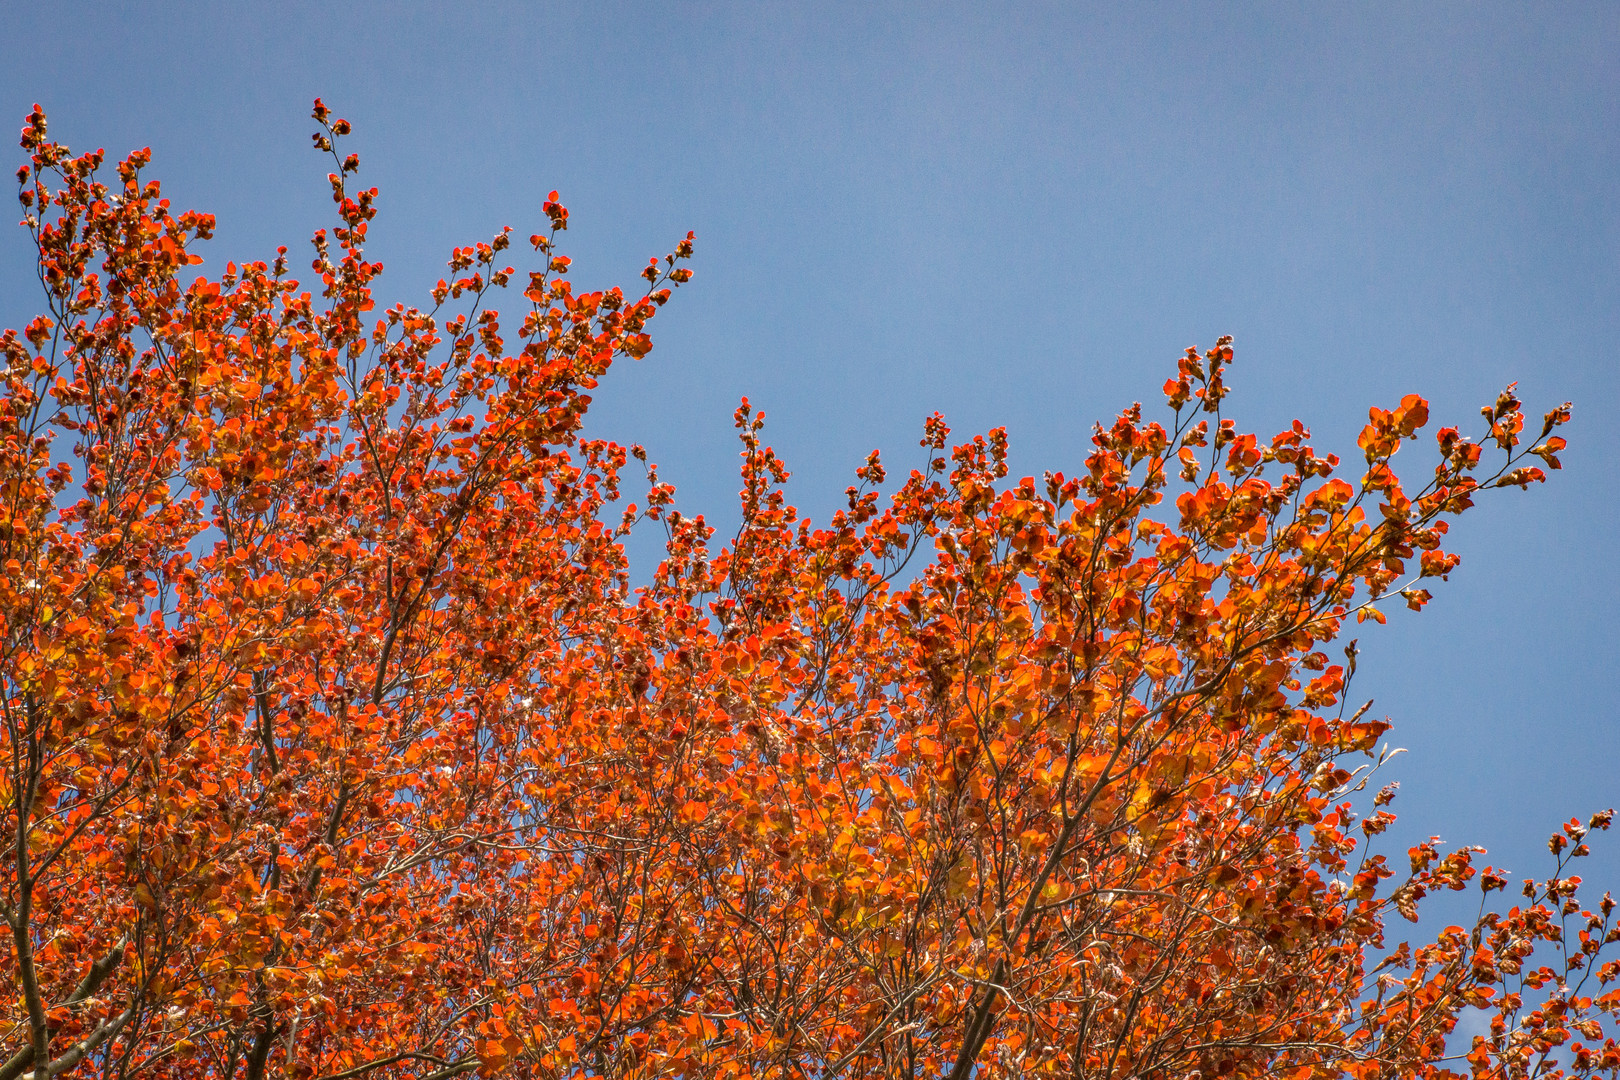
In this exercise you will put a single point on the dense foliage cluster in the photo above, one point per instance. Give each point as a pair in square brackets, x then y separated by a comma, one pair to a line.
[337, 742]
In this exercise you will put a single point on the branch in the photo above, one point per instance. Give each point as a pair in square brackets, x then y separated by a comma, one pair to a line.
[75, 1054]
[99, 970]
[464, 1065]
[451, 1069]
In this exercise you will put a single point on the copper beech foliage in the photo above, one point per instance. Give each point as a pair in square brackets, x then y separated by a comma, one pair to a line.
[339, 744]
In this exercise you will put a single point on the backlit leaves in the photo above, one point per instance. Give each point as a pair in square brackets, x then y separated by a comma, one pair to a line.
[338, 742]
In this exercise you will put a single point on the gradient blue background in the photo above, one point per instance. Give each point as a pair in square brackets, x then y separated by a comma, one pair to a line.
[1014, 215]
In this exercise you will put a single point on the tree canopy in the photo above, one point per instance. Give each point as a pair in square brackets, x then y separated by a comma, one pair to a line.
[340, 742]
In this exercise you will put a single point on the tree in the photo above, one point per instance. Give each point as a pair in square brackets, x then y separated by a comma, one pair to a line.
[338, 743]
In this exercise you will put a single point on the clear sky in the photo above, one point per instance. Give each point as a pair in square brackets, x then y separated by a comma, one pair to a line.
[1016, 215]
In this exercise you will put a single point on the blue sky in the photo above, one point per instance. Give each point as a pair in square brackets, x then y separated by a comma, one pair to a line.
[1016, 215]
